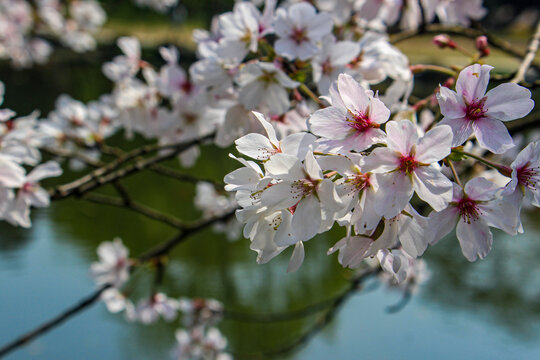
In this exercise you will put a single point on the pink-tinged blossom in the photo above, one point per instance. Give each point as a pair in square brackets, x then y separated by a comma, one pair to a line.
[406, 166]
[353, 121]
[470, 109]
[263, 84]
[262, 147]
[303, 188]
[526, 174]
[460, 11]
[113, 265]
[299, 28]
[32, 194]
[356, 189]
[474, 209]
[200, 343]
[331, 61]
[149, 310]
[407, 229]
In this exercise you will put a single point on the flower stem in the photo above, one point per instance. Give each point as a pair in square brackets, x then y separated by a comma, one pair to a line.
[454, 172]
[504, 170]
[303, 88]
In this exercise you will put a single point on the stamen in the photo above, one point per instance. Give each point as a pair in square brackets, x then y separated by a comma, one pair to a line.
[468, 209]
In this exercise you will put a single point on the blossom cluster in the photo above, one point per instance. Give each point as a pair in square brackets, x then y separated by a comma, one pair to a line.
[20, 141]
[26, 26]
[197, 339]
[359, 168]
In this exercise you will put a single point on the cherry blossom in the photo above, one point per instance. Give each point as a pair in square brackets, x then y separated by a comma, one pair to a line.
[405, 166]
[113, 265]
[32, 194]
[353, 121]
[299, 28]
[470, 109]
[474, 208]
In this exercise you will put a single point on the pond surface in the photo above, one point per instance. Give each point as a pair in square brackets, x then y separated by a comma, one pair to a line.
[484, 310]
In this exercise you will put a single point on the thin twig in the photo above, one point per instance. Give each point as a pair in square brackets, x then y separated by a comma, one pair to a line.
[110, 173]
[175, 174]
[134, 206]
[54, 322]
[529, 57]
[493, 40]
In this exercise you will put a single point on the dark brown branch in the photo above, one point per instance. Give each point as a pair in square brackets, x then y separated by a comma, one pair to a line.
[72, 311]
[493, 40]
[134, 206]
[111, 172]
[166, 247]
[174, 174]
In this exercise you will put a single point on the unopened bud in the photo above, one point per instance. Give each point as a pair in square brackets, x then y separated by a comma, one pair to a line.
[482, 45]
[443, 41]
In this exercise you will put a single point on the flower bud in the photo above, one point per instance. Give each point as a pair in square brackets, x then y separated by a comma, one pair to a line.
[482, 45]
[443, 41]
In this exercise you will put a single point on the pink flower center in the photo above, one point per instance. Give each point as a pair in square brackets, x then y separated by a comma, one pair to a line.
[475, 110]
[360, 181]
[28, 187]
[468, 209]
[327, 67]
[407, 164]
[299, 35]
[360, 122]
[528, 176]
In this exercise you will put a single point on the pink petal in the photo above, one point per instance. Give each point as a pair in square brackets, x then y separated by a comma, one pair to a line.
[492, 135]
[461, 128]
[450, 103]
[402, 135]
[475, 239]
[395, 191]
[508, 102]
[435, 145]
[472, 81]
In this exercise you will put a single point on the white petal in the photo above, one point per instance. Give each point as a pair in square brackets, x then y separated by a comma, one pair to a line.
[297, 257]
[475, 239]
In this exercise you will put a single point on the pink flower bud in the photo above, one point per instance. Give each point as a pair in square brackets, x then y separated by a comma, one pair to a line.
[482, 45]
[443, 41]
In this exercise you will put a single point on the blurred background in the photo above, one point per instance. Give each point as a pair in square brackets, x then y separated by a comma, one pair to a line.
[484, 310]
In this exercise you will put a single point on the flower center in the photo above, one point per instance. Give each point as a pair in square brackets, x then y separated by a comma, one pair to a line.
[468, 209]
[360, 122]
[529, 176]
[299, 35]
[475, 110]
[407, 164]
[360, 181]
[327, 67]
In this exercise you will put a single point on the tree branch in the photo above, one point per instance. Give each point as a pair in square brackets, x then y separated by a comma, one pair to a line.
[136, 207]
[112, 171]
[529, 57]
[54, 322]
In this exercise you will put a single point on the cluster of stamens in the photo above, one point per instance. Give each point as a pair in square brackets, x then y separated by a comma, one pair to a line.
[475, 110]
[299, 35]
[529, 177]
[468, 209]
[360, 122]
[359, 181]
[301, 188]
[266, 153]
[407, 164]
